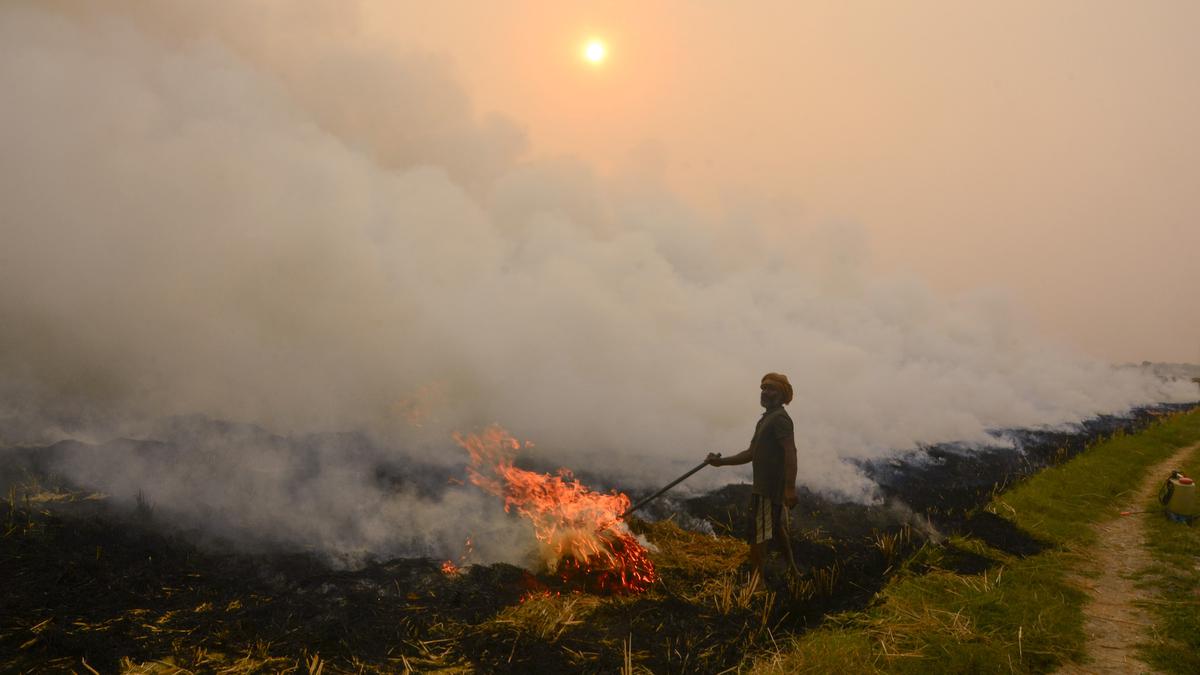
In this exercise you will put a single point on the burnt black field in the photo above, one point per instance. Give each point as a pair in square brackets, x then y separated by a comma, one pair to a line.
[91, 580]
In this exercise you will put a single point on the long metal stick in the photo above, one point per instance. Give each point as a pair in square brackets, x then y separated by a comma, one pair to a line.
[658, 494]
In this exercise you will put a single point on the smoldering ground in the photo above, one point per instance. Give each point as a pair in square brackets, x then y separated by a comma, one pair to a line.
[277, 221]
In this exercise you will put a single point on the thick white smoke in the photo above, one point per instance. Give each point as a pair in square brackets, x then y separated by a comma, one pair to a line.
[268, 219]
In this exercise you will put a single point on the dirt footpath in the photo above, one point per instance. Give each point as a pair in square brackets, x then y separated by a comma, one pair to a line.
[1113, 624]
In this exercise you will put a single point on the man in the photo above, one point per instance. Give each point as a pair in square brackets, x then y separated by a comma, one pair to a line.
[773, 452]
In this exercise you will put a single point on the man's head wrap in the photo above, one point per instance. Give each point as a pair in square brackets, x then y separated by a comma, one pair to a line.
[779, 383]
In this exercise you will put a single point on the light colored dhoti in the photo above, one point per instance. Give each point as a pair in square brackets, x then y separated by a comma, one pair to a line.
[767, 520]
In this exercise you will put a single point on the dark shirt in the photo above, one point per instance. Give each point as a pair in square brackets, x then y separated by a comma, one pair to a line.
[767, 448]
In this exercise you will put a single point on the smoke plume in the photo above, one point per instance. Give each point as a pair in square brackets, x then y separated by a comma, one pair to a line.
[250, 211]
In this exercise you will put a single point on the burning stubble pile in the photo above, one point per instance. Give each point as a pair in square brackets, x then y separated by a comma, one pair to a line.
[90, 585]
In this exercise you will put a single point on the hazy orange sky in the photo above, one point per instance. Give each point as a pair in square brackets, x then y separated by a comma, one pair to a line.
[1048, 149]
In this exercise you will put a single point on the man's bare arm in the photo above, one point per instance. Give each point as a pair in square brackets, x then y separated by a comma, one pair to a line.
[743, 457]
[789, 471]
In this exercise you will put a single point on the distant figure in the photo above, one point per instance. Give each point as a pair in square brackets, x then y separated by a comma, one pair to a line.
[773, 452]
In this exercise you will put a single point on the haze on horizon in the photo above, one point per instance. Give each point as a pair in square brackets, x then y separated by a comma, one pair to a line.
[1045, 149]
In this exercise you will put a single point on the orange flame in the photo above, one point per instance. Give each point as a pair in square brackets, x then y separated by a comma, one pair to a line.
[448, 567]
[582, 536]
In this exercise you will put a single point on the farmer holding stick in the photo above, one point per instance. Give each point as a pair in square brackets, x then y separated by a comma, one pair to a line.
[773, 453]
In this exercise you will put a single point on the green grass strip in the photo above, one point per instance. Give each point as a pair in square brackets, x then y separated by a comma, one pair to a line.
[1057, 501]
[1022, 615]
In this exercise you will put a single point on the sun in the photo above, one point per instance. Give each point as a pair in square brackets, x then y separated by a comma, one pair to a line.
[595, 51]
